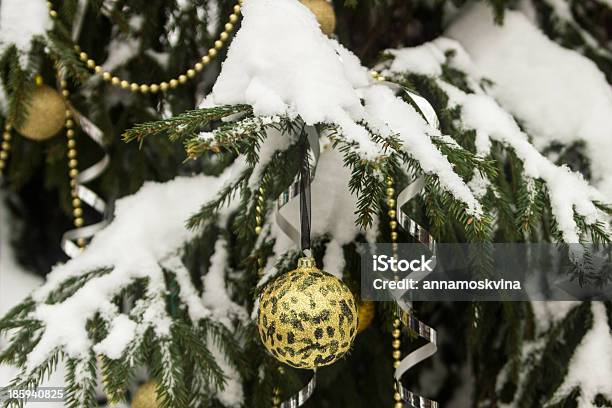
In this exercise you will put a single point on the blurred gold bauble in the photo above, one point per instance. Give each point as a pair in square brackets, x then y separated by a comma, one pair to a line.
[145, 396]
[366, 312]
[307, 318]
[324, 13]
[45, 114]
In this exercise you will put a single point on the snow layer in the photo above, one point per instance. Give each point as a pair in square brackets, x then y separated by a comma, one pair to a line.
[148, 227]
[591, 365]
[281, 63]
[20, 22]
[558, 94]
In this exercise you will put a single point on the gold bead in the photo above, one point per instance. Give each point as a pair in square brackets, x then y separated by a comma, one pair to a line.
[115, 80]
[106, 76]
[97, 69]
[78, 222]
[396, 323]
[144, 88]
[212, 52]
[258, 230]
[124, 84]
[198, 66]
[392, 213]
[76, 202]
[391, 202]
[6, 146]
[8, 126]
[83, 56]
[395, 365]
[70, 133]
[73, 173]
[69, 123]
[396, 344]
[173, 83]
[81, 242]
[72, 153]
[68, 113]
[233, 18]
[53, 14]
[205, 59]
[2, 164]
[163, 86]
[394, 236]
[389, 181]
[393, 225]
[71, 144]
[182, 79]
[397, 396]
[50, 5]
[73, 186]
[237, 8]
[6, 136]
[91, 64]
[77, 212]
[390, 191]
[65, 93]
[397, 354]
[223, 36]
[396, 333]
[134, 87]
[154, 88]
[73, 163]
[398, 404]
[228, 27]
[191, 73]
[218, 44]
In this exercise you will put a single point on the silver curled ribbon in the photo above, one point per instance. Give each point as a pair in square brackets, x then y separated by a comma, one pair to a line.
[407, 317]
[86, 195]
[312, 136]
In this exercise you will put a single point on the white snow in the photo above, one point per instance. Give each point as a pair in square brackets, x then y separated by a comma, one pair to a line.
[558, 94]
[282, 64]
[569, 191]
[590, 367]
[122, 332]
[148, 227]
[20, 22]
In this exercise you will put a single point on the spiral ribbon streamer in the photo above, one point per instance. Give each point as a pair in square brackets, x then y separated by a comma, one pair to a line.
[410, 322]
[301, 187]
[85, 194]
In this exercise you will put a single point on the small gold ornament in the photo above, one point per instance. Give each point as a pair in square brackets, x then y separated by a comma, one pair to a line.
[45, 114]
[324, 13]
[146, 396]
[307, 318]
[366, 311]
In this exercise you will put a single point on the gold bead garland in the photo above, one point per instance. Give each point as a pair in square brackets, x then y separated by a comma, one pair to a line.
[5, 147]
[396, 333]
[165, 85]
[73, 163]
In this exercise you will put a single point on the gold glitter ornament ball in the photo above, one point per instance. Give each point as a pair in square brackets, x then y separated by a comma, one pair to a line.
[366, 311]
[45, 115]
[307, 318]
[145, 396]
[324, 13]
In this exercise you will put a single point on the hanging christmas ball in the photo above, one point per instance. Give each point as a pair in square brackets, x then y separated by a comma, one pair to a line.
[307, 318]
[366, 311]
[45, 114]
[324, 13]
[145, 396]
